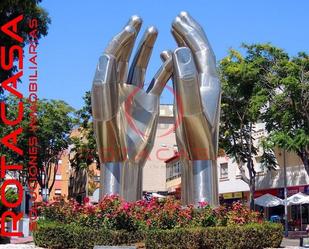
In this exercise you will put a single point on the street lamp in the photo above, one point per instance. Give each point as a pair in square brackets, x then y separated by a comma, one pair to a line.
[286, 225]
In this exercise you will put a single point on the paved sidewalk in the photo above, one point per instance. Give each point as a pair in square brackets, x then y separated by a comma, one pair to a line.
[290, 242]
[19, 240]
[286, 243]
[20, 246]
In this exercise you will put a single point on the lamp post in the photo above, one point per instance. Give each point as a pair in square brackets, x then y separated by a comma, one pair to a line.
[286, 225]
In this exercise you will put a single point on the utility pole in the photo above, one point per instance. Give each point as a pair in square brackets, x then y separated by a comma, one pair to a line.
[286, 224]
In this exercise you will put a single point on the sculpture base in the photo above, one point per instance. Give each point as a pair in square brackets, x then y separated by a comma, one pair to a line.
[199, 182]
[122, 178]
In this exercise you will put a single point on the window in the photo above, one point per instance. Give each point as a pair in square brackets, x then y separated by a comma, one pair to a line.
[58, 177]
[57, 191]
[177, 168]
[163, 126]
[173, 171]
[96, 178]
[259, 168]
[224, 170]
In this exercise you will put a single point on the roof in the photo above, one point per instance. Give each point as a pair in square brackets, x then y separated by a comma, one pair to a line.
[176, 156]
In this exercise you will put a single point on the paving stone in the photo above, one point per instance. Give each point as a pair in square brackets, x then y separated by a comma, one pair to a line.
[19, 246]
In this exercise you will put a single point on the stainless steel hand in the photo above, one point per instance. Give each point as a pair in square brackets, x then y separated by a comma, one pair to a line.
[124, 115]
[197, 107]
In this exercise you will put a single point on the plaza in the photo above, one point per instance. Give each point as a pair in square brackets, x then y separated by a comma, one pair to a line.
[165, 126]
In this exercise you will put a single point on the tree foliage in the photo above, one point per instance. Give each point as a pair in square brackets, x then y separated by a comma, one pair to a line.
[244, 97]
[9, 9]
[11, 196]
[264, 85]
[54, 124]
[84, 146]
[287, 116]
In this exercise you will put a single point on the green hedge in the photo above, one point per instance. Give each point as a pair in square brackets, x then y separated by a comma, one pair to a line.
[60, 236]
[254, 236]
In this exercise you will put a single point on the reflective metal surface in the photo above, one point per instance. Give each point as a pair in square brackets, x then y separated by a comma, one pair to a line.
[199, 183]
[124, 115]
[197, 107]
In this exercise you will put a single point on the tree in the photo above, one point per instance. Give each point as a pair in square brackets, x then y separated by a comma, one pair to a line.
[83, 151]
[11, 196]
[9, 9]
[287, 115]
[55, 122]
[55, 125]
[244, 97]
[84, 145]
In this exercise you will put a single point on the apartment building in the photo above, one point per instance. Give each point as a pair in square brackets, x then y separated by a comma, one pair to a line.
[68, 182]
[232, 187]
[61, 179]
[154, 174]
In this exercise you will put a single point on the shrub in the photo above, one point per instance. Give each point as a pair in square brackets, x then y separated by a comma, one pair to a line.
[239, 214]
[203, 216]
[116, 214]
[60, 210]
[175, 238]
[60, 236]
[53, 235]
[253, 236]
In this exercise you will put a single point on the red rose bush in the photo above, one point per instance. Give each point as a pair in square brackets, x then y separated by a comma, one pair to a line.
[116, 214]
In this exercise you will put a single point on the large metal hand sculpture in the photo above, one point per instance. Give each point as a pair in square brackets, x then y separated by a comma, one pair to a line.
[197, 109]
[124, 115]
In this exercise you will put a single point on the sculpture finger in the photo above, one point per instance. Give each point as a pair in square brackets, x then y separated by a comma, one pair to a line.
[123, 61]
[121, 39]
[208, 77]
[188, 34]
[140, 62]
[180, 42]
[166, 54]
[122, 44]
[186, 17]
[104, 93]
[203, 55]
[185, 80]
[205, 63]
[136, 22]
[162, 76]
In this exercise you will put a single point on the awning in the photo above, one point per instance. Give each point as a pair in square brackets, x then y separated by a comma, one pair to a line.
[298, 199]
[158, 195]
[95, 197]
[268, 200]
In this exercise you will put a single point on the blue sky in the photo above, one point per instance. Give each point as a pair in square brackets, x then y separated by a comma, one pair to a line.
[80, 30]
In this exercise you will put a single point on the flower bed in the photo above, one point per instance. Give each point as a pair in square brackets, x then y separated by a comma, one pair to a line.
[158, 223]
